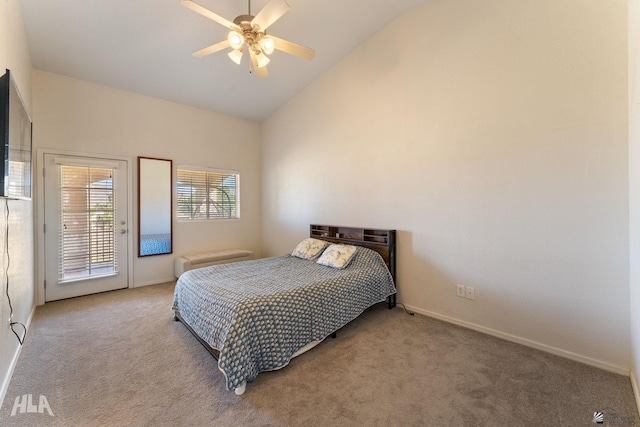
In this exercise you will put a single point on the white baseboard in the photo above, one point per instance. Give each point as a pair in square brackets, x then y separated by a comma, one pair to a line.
[14, 361]
[636, 390]
[526, 342]
[154, 282]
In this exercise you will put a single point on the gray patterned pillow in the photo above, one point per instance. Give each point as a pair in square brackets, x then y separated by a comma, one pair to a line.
[309, 248]
[337, 256]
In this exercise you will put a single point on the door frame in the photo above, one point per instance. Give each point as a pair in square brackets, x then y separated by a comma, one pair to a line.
[40, 219]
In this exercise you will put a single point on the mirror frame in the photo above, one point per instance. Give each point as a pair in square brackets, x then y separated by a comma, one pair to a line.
[141, 209]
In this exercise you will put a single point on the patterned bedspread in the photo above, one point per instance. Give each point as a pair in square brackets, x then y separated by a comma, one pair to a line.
[151, 244]
[259, 313]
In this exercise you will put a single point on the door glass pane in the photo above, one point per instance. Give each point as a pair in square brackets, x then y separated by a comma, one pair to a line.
[87, 227]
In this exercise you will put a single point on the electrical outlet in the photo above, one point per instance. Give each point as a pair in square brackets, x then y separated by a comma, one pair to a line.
[460, 291]
[471, 293]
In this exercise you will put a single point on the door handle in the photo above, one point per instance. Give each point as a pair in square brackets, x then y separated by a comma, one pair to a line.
[123, 231]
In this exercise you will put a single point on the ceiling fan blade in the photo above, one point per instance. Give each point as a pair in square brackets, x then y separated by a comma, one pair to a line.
[207, 13]
[270, 14]
[261, 72]
[211, 49]
[294, 48]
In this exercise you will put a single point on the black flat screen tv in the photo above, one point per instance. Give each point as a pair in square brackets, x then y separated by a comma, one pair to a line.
[15, 142]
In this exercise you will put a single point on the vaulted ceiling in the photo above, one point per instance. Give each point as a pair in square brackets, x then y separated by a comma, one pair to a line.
[145, 46]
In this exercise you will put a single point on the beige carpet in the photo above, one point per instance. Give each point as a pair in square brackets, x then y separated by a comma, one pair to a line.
[118, 359]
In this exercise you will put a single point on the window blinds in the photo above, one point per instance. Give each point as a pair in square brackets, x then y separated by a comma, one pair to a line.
[87, 222]
[203, 194]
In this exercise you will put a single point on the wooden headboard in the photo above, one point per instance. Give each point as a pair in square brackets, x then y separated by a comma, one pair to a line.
[381, 241]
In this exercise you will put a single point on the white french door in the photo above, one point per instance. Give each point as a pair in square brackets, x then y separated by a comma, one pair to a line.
[86, 225]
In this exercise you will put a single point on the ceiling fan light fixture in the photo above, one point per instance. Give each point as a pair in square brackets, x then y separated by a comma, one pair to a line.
[236, 56]
[267, 44]
[263, 60]
[236, 40]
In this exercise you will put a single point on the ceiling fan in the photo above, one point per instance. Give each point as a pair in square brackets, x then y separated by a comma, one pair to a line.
[248, 31]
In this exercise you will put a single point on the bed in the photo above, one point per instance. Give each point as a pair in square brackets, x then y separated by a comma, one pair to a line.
[152, 244]
[256, 315]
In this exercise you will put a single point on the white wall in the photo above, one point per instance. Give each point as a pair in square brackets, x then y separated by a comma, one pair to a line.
[493, 136]
[74, 115]
[634, 188]
[14, 55]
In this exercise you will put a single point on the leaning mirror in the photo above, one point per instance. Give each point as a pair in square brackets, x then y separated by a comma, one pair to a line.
[155, 196]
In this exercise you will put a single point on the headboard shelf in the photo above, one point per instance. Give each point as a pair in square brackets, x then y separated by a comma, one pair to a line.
[379, 240]
[385, 237]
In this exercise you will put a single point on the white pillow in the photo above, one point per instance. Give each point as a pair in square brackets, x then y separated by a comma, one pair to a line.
[309, 248]
[337, 256]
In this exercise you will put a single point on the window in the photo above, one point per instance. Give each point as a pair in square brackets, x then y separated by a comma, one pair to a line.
[87, 205]
[205, 194]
